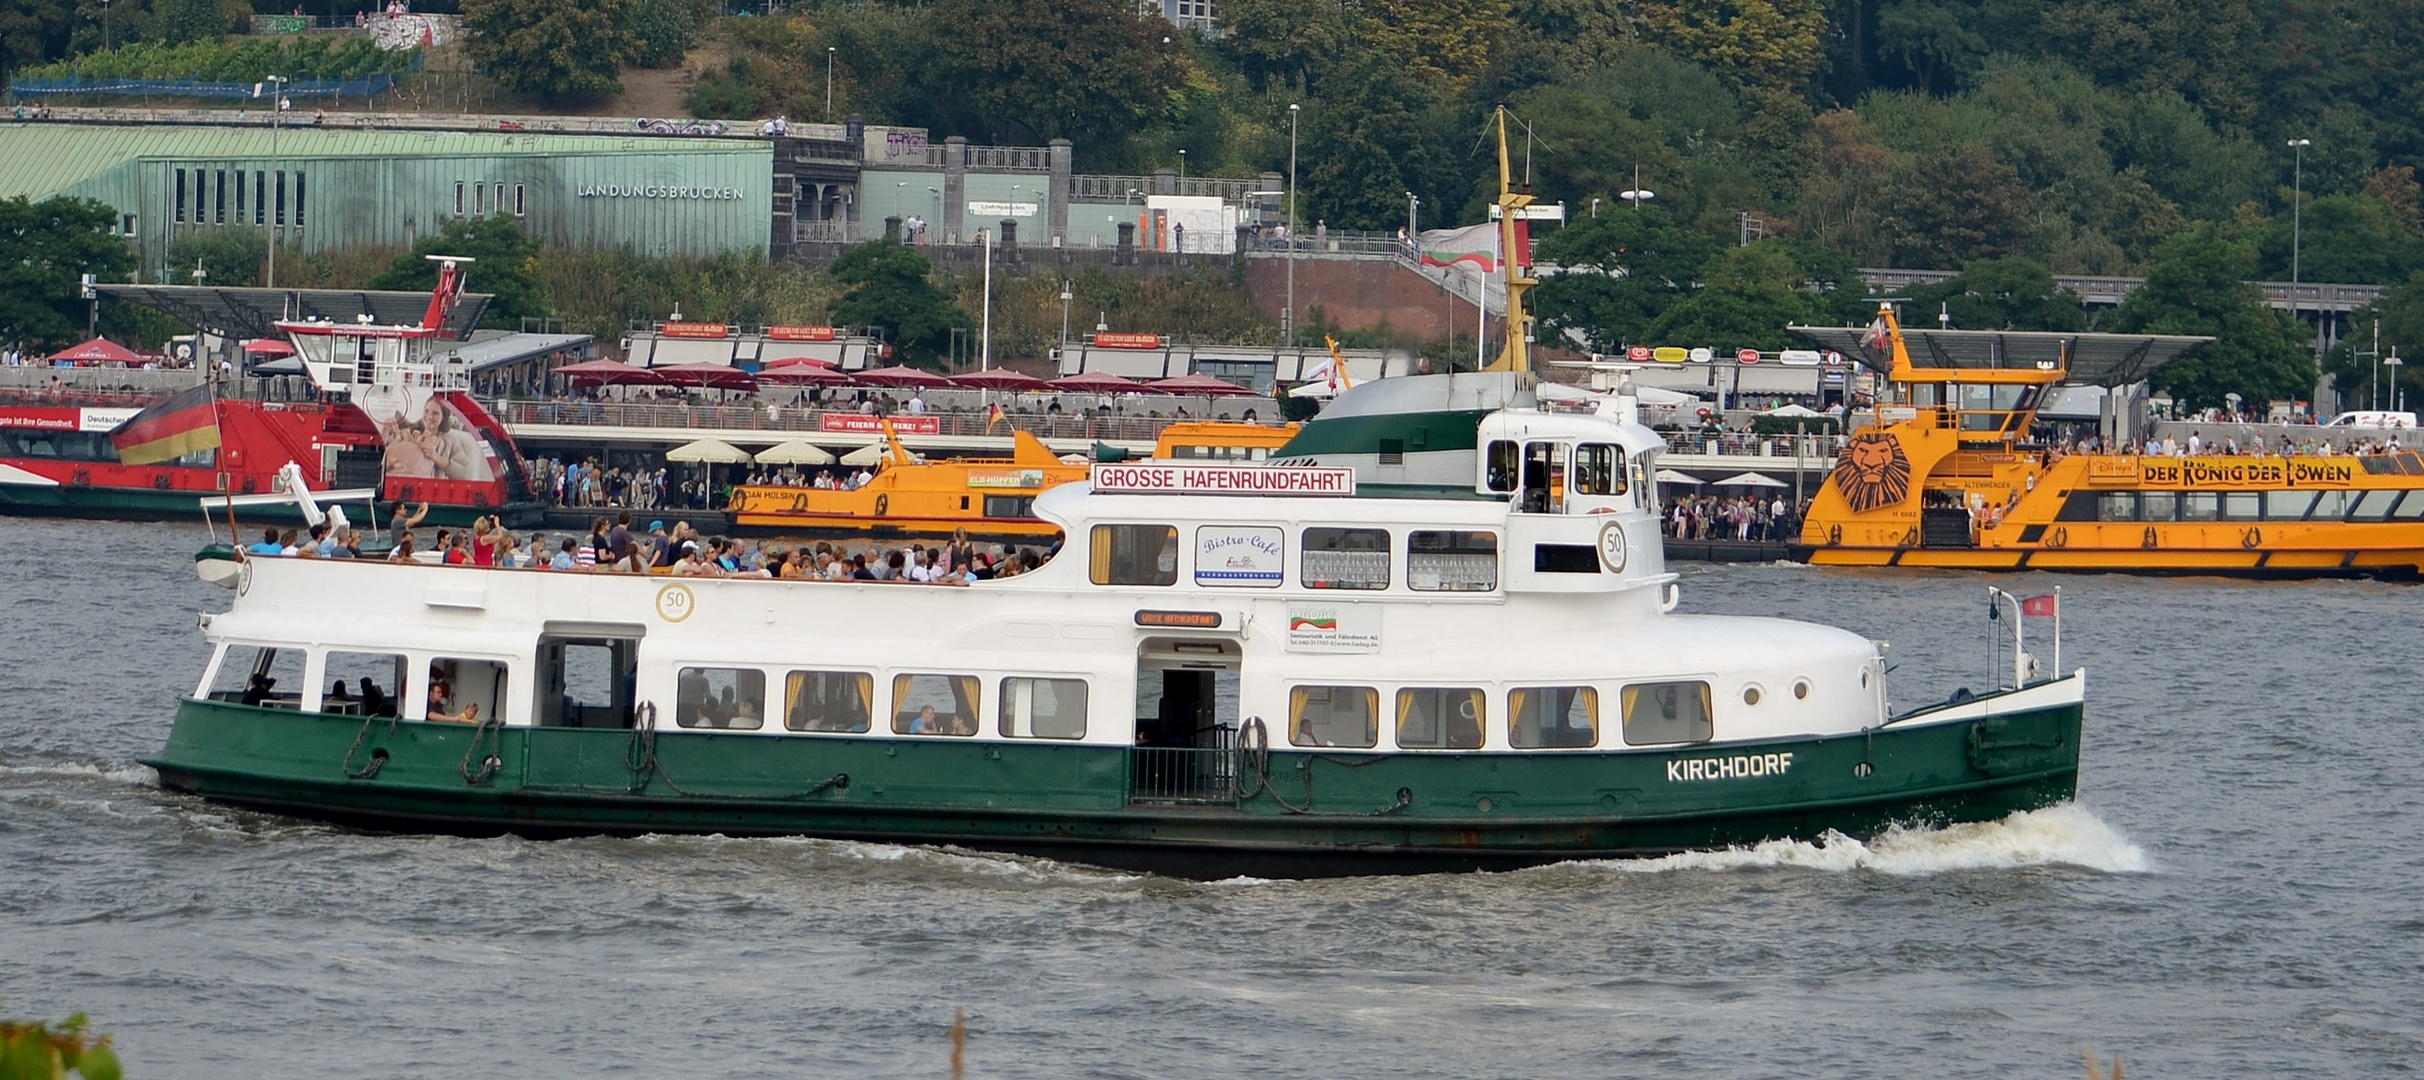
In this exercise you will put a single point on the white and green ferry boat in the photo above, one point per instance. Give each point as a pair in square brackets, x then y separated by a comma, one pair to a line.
[1441, 637]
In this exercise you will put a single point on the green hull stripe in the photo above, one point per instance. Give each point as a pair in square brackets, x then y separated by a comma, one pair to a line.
[1034, 795]
[1422, 432]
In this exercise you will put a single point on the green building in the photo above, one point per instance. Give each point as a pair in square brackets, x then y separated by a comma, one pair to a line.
[316, 188]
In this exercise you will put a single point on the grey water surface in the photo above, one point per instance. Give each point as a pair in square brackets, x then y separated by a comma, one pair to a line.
[2236, 893]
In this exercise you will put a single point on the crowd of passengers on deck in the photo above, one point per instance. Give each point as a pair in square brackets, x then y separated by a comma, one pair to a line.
[679, 551]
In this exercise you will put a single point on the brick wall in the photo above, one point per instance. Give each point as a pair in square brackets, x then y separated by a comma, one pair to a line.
[1362, 293]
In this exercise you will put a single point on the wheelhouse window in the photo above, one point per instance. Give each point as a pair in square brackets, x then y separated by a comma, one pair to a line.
[833, 701]
[1345, 716]
[934, 704]
[1544, 479]
[1599, 469]
[1430, 719]
[1134, 555]
[1502, 459]
[1451, 561]
[719, 697]
[1667, 712]
[1043, 708]
[1345, 559]
[1553, 717]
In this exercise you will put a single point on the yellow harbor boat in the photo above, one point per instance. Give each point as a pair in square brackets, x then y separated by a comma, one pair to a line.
[1944, 472]
[991, 497]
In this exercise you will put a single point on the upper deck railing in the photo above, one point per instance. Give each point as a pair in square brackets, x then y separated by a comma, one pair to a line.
[812, 422]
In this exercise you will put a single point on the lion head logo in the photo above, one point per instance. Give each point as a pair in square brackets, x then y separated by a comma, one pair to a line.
[1873, 471]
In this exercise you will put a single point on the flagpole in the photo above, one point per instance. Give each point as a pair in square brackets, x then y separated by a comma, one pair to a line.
[2057, 631]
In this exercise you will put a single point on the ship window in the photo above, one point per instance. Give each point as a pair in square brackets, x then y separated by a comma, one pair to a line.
[1345, 559]
[2081, 506]
[828, 701]
[1544, 481]
[1135, 555]
[2243, 506]
[359, 684]
[1666, 712]
[2200, 506]
[934, 704]
[2157, 505]
[1553, 717]
[2287, 505]
[1440, 719]
[2374, 505]
[1240, 556]
[1044, 708]
[1438, 561]
[719, 697]
[2330, 506]
[1598, 469]
[1009, 506]
[1502, 460]
[2412, 508]
[259, 675]
[469, 691]
[1333, 716]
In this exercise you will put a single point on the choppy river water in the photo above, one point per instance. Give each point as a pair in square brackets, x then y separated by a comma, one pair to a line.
[2235, 894]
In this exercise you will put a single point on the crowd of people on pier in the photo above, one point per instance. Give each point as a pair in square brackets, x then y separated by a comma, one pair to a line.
[2227, 444]
[1736, 517]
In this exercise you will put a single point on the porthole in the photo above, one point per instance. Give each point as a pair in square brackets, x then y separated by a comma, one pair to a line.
[1801, 689]
[1750, 695]
[1864, 678]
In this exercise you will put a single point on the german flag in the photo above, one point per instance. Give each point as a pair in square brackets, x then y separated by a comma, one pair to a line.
[171, 429]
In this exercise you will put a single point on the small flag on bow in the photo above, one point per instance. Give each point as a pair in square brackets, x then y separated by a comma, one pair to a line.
[2039, 606]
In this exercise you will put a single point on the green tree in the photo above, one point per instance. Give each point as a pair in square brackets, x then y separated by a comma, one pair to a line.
[505, 264]
[660, 30]
[1026, 71]
[2199, 286]
[1368, 141]
[1751, 295]
[32, 31]
[892, 287]
[231, 257]
[2015, 293]
[45, 247]
[550, 47]
[1951, 209]
[2357, 239]
[1623, 269]
[2400, 312]
[1771, 43]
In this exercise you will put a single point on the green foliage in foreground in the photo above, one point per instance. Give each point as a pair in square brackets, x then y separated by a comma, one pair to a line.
[238, 60]
[44, 247]
[36, 1050]
[892, 287]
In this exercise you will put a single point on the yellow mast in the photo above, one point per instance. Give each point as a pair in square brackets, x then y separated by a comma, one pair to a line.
[1513, 357]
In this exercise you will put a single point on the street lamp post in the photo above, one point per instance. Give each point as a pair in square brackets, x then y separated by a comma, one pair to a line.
[1413, 217]
[1066, 296]
[2398, 394]
[1287, 319]
[1182, 171]
[828, 84]
[277, 222]
[2297, 207]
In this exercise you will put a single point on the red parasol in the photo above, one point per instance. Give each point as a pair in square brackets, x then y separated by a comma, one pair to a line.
[1017, 382]
[98, 351]
[609, 373]
[1098, 382]
[900, 376]
[801, 371]
[1201, 386]
[705, 375]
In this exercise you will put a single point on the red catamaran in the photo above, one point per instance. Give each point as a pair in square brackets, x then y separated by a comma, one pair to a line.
[392, 414]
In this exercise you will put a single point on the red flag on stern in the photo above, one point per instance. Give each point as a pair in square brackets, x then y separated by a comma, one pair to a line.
[183, 424]
[2038, 606]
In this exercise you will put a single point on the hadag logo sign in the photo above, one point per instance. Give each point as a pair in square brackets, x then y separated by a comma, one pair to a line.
[652, 191]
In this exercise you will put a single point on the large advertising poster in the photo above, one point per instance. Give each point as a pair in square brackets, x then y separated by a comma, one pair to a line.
[425, 435]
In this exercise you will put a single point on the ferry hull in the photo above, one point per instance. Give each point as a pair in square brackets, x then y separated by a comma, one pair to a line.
[1396, 813]
[2290, 563]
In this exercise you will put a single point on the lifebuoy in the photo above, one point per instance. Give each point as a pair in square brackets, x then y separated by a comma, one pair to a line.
[2254, 536]
[882, 502]
[162, 481]
[82, 478]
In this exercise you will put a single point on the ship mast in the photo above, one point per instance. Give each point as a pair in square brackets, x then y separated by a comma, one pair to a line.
[1513, 260]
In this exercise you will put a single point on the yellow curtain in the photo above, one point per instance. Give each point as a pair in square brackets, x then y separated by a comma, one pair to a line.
[1100, 562]
[1299, 731]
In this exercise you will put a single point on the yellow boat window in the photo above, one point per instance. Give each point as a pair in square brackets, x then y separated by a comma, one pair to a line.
[828, 701]
[1667, 712]
[1134, 555]
[1553, 717]
[1344, 716]
[1440, 719]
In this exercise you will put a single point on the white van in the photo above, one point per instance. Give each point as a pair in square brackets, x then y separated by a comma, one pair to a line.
[2374, 418]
